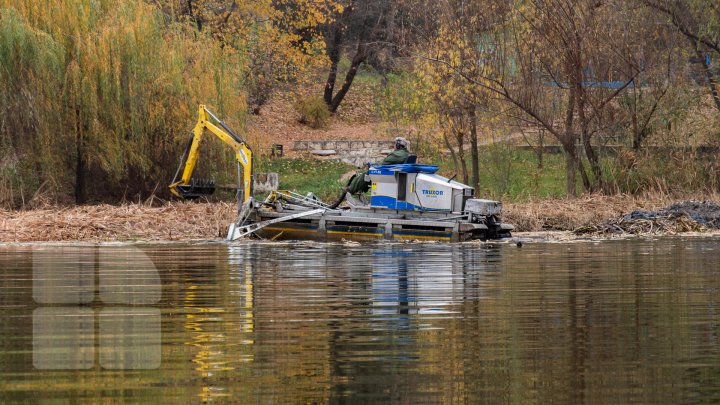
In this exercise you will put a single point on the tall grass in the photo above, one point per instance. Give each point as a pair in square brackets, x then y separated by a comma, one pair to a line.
[101, 95]
[672, 171]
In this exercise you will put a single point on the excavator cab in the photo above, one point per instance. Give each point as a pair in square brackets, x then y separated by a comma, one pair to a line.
[187, 187]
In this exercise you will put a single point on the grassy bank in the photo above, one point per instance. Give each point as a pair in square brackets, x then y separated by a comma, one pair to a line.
[512, 174]
[305, 175]
[506, 174]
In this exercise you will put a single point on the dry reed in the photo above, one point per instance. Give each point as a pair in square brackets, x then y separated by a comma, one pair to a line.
[173, 221]
[193, 220]
[564, 214]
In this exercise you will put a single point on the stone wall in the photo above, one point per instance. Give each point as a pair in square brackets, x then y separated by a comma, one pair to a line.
[356, 153]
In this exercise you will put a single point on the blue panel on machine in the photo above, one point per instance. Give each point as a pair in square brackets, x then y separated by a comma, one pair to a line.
[383, 201]
[381, 171]
[405, 168]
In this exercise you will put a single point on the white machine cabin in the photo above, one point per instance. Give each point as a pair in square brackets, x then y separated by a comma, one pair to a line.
[416, 187]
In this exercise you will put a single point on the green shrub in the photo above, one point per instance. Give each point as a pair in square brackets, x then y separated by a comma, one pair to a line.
[313, 111]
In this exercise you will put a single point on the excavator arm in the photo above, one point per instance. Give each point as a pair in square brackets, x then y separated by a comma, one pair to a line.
[186, 187]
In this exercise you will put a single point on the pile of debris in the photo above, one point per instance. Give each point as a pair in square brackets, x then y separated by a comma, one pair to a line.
[567, 214]
[128, 222]
[686, 216]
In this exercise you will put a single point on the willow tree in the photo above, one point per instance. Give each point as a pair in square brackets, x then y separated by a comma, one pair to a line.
[30, 62]
[99, 93]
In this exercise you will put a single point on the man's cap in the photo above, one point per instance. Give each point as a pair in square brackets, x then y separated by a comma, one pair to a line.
[400, 141]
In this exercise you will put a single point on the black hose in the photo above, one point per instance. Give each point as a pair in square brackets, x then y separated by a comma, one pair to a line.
[339, 200]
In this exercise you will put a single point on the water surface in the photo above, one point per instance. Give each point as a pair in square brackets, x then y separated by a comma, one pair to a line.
[633, 321]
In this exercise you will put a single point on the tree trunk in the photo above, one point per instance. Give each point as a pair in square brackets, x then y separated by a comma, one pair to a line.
[359, 58]
[475, 161]
[198, 22]
[583, 173]
[80, 161]
[452, 151]
[334, 56]
[334, 52]
[585, 135]
[461, 155]
[568, 143]
[390, 27]
[635, 128]
[570, 168]
[594, 162]
[541, 149]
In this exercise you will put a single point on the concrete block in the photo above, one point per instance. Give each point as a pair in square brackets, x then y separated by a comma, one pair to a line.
[324, 152]
[314, 145]
[266, 182]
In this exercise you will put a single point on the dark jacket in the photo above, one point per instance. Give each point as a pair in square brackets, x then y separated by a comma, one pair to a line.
[357, 183]
[397, 156]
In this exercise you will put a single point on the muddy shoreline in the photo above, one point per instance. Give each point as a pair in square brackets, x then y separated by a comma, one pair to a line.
[550, 219]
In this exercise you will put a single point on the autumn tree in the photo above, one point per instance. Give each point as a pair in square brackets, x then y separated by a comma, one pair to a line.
[458, 104]
[563, 49]
[699, 22]
[659, 50]
[280, 40]
[367, 31]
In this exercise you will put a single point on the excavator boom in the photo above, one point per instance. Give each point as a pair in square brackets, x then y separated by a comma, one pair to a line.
[188, 188]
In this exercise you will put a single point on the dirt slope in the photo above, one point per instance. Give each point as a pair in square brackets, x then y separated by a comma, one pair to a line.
[278, 122]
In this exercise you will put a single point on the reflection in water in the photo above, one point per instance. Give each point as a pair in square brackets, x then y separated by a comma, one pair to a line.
[129, 338]
[611, 322]
[63, 338]
[217, 348]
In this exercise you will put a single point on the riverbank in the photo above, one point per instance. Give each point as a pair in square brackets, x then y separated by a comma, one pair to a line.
[128, 222]
[587, 215]
[563, 214]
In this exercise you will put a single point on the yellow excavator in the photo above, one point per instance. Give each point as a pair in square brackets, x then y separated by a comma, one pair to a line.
[188, 188]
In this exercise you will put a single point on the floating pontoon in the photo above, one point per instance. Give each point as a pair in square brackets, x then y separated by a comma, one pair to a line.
[407, 202]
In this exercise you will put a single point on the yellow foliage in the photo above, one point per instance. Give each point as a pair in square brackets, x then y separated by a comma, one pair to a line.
[113, 85]
[279, 38]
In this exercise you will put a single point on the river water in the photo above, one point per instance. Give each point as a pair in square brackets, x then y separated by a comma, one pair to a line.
[628, 321]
